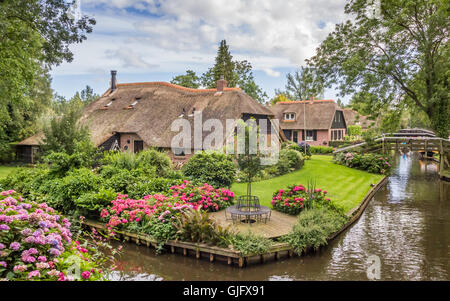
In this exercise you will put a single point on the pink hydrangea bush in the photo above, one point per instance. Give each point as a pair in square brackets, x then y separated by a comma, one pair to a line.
[154, 213]
[36, 243]
[293, 199]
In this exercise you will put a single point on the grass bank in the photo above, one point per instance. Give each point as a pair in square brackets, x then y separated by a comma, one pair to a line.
[345, 186]
[5, 170]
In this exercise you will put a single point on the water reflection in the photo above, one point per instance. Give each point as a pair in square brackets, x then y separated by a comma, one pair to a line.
[407, 225]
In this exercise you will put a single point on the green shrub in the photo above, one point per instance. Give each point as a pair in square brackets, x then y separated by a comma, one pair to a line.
[121, 160]
[249, 244]
[152, 158]
[288, 160]
[354, 130]
[321, 149]
[214, 168]
[197, 226]
[373, 163]
[122, 180]
[91, 203]
[155, 185]
[63, 192]
[313, 228]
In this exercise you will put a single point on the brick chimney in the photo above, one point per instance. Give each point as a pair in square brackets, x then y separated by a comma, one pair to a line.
[113, 80]
[221, 84]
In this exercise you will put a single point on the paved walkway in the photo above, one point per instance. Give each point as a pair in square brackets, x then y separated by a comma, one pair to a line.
[279, 224]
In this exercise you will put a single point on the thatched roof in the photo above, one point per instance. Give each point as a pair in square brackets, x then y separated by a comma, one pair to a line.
[354, 118]
[33, 140]
[318, 115]
[158, 105]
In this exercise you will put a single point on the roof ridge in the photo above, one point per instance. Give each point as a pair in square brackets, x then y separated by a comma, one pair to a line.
[170, 85]
[305, 101]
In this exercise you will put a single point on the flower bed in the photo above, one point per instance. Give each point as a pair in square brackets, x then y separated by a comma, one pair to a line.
[373, 163]
[154, 213]
[36, 244]
[294, 199]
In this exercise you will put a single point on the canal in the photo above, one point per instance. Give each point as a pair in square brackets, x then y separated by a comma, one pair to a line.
[404, 234]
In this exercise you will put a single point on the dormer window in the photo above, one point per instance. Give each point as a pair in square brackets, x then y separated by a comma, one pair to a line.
[289, 116]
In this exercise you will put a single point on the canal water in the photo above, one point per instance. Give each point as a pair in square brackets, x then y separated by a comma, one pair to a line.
[404, 234]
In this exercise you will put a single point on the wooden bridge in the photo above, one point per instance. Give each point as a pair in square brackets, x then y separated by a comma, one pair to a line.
[417, 140]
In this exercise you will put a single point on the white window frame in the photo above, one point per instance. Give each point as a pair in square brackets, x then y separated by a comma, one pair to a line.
[289, 116]
[309, 138]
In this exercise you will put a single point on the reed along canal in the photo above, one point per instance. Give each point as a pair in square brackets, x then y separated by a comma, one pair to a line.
[403, 234]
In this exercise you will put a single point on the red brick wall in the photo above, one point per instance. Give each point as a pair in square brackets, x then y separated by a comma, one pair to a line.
[322, 136]
[124, 138]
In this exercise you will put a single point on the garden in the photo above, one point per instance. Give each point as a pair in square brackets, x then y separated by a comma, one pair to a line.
[143, 193]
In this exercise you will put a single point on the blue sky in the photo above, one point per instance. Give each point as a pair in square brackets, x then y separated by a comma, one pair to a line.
[154, 40]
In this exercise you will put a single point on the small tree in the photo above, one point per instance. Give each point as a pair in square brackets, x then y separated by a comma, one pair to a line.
[63, 133]
[249, 161]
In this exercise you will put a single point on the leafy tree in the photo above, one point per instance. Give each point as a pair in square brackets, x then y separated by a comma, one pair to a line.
[188, 80]
[303, 84]
[279, 97]
[236, 73]
[399, 55]
[34, 35]
[64, 133]
[87, 95]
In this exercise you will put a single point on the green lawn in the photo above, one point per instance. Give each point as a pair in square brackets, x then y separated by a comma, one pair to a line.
[345, 186]
[5, 170]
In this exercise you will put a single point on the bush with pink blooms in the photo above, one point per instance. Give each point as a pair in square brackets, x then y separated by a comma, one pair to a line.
[154, 214]
[36, 244]
[295, 198]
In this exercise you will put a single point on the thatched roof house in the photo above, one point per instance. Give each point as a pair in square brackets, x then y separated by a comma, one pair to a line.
[354, 118]
[134, 116]
[314, 121]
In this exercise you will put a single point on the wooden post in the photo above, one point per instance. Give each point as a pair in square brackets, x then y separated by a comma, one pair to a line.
[197, 254]
[241, 262]
[184, 251]
[211, 257]
[441, 159]
[229, 261]
[172, 249]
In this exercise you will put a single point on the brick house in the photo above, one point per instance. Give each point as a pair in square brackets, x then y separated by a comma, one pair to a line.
[134, 116]
[316, 122]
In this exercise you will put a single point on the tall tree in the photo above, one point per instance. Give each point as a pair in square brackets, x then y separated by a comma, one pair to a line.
[236, 73]
[34, 35]
[400, 54]
[303, 84]
[188, 80]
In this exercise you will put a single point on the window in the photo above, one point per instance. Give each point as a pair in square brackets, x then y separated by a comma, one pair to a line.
[178, 152]
[337, 135]
[295, 136]
[309, 135]
[289, 116]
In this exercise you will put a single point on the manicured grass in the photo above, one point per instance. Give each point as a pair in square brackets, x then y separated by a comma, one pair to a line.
[345, 186]
[5, 170]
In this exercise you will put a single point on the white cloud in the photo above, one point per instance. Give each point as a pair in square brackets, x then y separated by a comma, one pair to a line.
[175, 35]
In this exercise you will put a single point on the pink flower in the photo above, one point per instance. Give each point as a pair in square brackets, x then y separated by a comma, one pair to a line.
[35, 273]
[86, 274]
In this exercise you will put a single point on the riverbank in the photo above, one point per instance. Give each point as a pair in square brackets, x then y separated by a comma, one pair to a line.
[346, 186]
[277, 251]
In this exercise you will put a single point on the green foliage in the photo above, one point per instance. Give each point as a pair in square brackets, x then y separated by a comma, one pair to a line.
[188, 80]
[91, 203]
[84, 155]
[197, 226]
[250, 244]
[319, 149]
[313, 228]
[280, 97]
[123, 180]
[64, 133]
[151, 186]
[236, 73]
[303, 84]
[152, 158]
[63, 192]
[214, 168]
[288, 160]
[400, 56]
[373, 163]
[34, 36]
[354, 130]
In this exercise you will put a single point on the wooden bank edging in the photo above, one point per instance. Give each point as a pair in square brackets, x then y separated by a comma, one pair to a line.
[230, 256]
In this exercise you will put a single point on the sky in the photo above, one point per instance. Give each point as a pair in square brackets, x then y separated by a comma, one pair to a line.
[154, 40]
